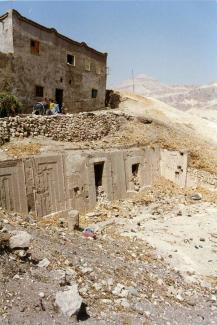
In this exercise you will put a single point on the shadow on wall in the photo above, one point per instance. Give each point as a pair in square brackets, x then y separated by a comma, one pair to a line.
[112, 99]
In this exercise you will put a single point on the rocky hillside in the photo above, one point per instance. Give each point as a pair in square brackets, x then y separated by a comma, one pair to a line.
[183, 97]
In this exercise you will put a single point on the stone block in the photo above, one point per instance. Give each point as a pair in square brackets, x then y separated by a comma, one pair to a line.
[73, 219]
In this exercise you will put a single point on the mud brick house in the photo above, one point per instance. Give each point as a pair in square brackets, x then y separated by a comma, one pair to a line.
[37, 62]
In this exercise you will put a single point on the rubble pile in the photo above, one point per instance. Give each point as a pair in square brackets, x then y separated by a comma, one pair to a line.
[72, 128]
[203, 177]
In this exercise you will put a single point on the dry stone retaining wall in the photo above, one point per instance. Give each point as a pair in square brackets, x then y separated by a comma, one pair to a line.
[72, 128]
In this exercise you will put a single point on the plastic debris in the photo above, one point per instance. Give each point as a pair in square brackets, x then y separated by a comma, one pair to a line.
[89, 232]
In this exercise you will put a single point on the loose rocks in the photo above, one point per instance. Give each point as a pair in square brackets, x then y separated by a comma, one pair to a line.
[19, 239]
[72, 128]
[69, 301]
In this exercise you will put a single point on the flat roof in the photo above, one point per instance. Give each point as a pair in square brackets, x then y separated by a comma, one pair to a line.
[50, 30]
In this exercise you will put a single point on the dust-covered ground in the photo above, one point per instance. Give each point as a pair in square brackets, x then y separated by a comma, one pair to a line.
[153, 262]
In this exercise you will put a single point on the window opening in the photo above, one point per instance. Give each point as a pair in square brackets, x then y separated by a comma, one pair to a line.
[34, 46]
[94, 93]
[70, 59]
[39, 91]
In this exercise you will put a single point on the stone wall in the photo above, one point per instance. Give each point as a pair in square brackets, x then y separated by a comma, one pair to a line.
[72, 128]
[78, 180]
[6, 72]
[6, 33]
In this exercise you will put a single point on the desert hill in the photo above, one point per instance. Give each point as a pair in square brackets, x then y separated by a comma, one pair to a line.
[183, 97]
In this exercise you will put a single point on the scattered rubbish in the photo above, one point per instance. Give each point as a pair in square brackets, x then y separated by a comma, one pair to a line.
[89, 232]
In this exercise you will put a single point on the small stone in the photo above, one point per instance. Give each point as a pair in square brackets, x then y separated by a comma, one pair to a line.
[97, 286]
[110, 282]
[197, 196]
[120, 291]
[85, 270]
[213, 298]
[160, 282]
[125, 303]
[22, 309]
[147, 313]
[41, 294]
[4, 239]
[44, 263]
[179, 297]
[21, 253]
[133, 291]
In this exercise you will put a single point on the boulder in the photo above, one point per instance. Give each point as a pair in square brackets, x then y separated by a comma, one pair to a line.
[19, 239]
[69, 301]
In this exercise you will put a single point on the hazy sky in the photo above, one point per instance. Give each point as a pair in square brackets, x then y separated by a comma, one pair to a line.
[173, 41]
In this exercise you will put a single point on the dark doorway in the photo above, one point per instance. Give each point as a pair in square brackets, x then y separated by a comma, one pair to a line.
[59, 97]
[98, 171]
[135, 169]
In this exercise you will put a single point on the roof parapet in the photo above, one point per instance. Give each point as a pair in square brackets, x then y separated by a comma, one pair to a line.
[50, 30]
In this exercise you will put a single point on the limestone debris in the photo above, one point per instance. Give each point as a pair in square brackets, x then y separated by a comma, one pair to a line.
[19, 239]
[69, 301]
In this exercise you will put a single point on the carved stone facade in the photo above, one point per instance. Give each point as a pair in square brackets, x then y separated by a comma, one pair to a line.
[43, 63]
[78, 180]
[12, 186]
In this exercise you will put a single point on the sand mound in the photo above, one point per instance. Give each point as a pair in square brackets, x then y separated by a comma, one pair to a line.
[163, 113]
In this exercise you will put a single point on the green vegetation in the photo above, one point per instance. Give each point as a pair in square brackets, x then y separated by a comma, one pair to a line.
[9, 105]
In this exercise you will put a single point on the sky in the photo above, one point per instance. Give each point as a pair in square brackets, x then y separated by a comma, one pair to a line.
[172, 41]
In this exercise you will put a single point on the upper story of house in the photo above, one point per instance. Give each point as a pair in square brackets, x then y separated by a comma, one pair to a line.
[27, 39]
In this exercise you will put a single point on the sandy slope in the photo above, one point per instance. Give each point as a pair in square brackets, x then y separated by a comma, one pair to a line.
[163, 113]
[208, 114]
[187, 241]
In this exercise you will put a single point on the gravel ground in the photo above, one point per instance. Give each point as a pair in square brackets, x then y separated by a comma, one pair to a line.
[122, 279]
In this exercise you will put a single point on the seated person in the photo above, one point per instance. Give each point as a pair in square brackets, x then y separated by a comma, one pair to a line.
[55, 108]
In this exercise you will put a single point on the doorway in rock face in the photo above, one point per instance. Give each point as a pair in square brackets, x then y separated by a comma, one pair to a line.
[135, 169]
[135, 177]
[98, 173]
